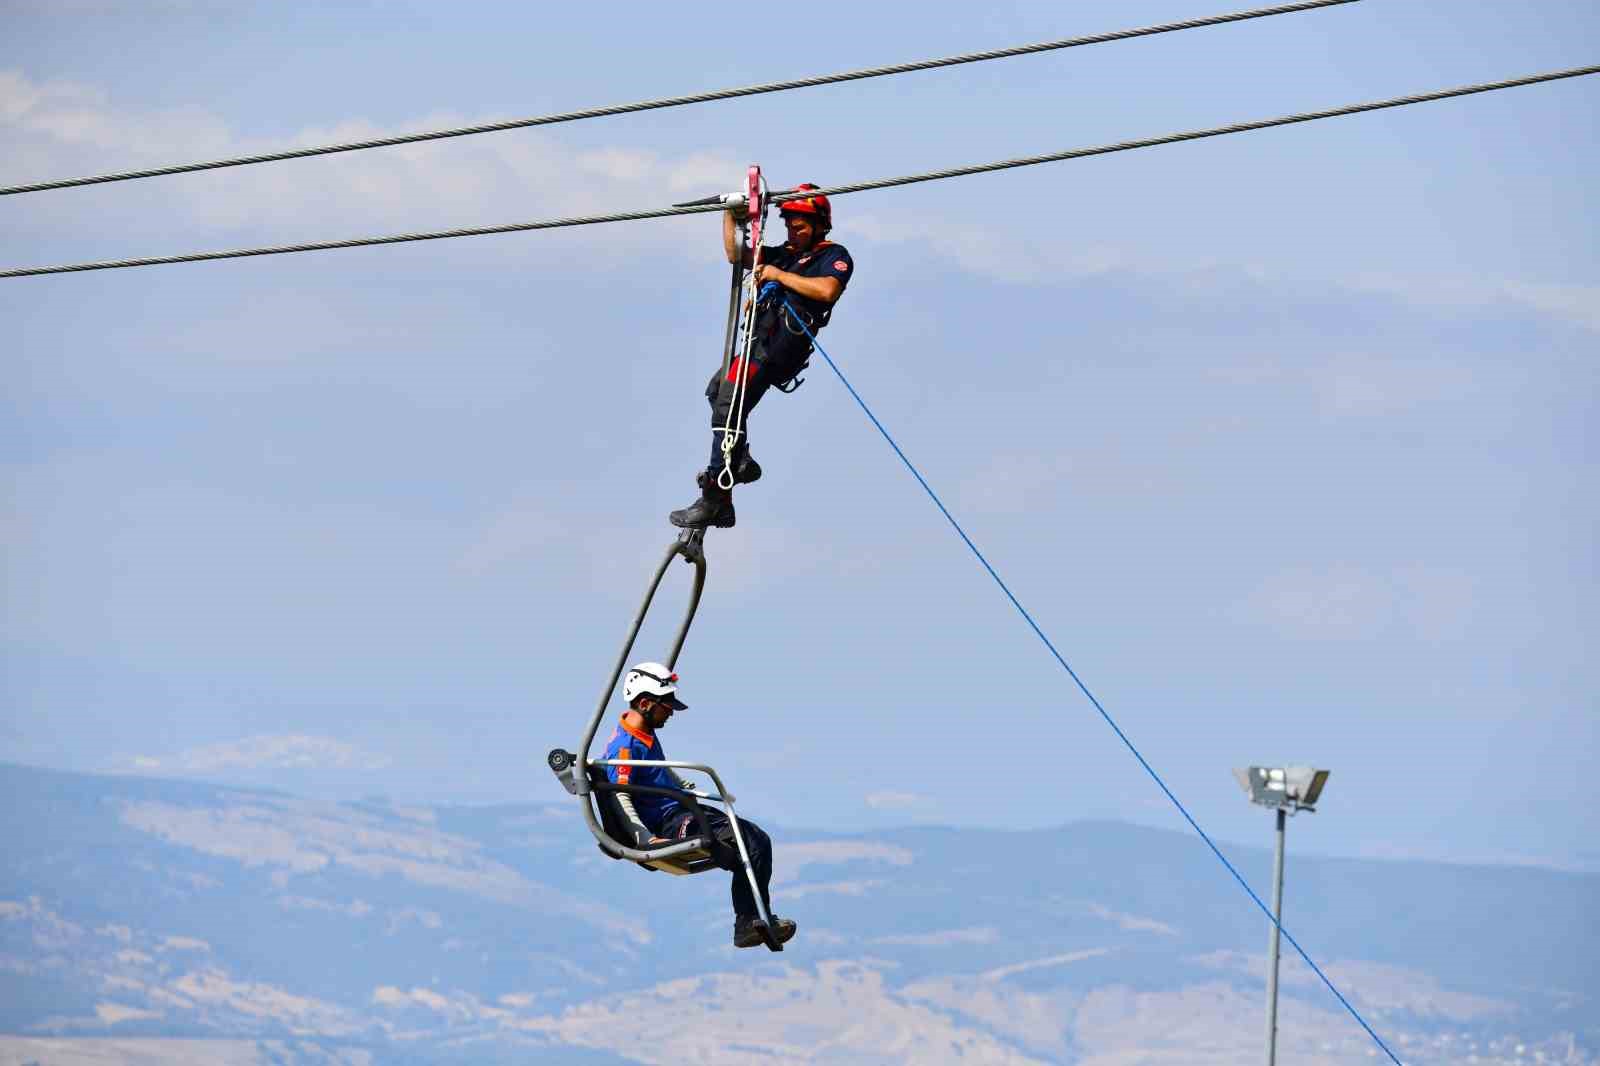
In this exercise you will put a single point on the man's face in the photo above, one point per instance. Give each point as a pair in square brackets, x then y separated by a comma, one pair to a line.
[801, 231]
[656, 713]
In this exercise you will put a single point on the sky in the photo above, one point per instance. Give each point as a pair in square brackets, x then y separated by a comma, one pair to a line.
[1285, 439]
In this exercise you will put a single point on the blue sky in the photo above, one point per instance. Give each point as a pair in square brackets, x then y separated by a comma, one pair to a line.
[1285, 438]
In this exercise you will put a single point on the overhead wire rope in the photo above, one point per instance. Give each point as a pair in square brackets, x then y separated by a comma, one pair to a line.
[681, 101]
[837, 190]
[1192, 135]
[1082, 687]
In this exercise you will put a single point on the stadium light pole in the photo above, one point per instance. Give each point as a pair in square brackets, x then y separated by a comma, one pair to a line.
[1284, 790]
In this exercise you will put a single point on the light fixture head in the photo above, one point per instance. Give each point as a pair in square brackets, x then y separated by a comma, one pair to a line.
[1291, 788]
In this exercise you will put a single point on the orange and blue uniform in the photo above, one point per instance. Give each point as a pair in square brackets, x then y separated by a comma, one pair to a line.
[635, 745]
[664, 816]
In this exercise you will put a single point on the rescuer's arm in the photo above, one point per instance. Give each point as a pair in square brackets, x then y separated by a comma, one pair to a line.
[642, 835]
[732, 239]
[823, 290]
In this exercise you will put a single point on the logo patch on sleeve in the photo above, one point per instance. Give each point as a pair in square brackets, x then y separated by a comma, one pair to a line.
[840, 265]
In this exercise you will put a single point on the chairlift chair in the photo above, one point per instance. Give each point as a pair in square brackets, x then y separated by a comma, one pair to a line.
[587, 779]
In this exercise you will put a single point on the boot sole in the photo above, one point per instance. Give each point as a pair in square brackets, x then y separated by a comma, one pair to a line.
[717, 523]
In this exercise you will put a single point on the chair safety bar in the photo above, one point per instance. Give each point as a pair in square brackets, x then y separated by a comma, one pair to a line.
[725, 797]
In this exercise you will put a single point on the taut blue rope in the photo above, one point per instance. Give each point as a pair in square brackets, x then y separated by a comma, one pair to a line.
[1082, 687]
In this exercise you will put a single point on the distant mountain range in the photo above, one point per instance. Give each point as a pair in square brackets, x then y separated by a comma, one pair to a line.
[162, 921]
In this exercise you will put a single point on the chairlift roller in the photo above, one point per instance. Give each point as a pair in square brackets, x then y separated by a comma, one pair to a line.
[587, 779]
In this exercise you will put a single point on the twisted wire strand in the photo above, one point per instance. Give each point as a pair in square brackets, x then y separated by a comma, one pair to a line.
[836, 190]
[1192, 135]
[362, 242]
[680, 101]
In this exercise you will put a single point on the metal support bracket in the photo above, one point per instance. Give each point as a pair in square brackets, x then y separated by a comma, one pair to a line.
[693, 546]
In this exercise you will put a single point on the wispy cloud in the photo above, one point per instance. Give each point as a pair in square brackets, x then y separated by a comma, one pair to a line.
[294, 751]
[1001, 972]
[998, 253]
[831, 888]
[1349, 602]
[55, 129]
[1131, 922]
[793, 858]
[1577, 304]
[897, 801]
[943, 938]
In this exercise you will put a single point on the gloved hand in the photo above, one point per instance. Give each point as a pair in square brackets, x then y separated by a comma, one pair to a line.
[736, 206]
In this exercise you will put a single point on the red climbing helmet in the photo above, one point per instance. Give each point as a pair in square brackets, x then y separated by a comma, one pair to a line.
[817, 206]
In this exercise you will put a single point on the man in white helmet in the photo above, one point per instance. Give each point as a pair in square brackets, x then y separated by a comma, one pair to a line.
[651, 691]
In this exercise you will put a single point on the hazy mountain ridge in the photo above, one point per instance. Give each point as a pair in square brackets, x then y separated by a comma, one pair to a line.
[307, 931]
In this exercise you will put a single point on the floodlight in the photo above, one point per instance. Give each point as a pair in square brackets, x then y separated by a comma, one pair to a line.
[1283, 790]
[1290, 788]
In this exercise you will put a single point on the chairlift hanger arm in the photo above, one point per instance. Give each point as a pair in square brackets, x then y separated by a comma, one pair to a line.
[692, 550]
[574, 770]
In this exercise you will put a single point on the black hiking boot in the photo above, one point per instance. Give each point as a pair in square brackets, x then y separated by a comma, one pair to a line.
[745, 470]
[713, 508]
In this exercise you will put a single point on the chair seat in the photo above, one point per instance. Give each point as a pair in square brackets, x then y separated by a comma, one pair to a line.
[694, 861]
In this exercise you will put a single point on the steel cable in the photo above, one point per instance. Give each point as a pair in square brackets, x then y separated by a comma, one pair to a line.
[362, 242]
[680, 101]
[836, 190]
[1193, 135]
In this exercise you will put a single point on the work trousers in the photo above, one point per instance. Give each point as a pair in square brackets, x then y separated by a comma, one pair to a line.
[756, 842]
[765, 372]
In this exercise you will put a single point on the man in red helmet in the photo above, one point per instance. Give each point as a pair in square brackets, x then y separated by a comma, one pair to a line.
[812, 272]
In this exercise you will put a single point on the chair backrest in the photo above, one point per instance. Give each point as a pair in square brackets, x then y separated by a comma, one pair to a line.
[611, 817]
[615, 824]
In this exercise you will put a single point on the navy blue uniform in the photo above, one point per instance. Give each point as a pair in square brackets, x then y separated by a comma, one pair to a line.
[781, 347]
[782, 342]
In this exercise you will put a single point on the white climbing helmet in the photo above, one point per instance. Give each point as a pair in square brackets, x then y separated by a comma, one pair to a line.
[652, 679]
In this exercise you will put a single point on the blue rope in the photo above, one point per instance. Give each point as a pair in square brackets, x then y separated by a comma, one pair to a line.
[1085, 688]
